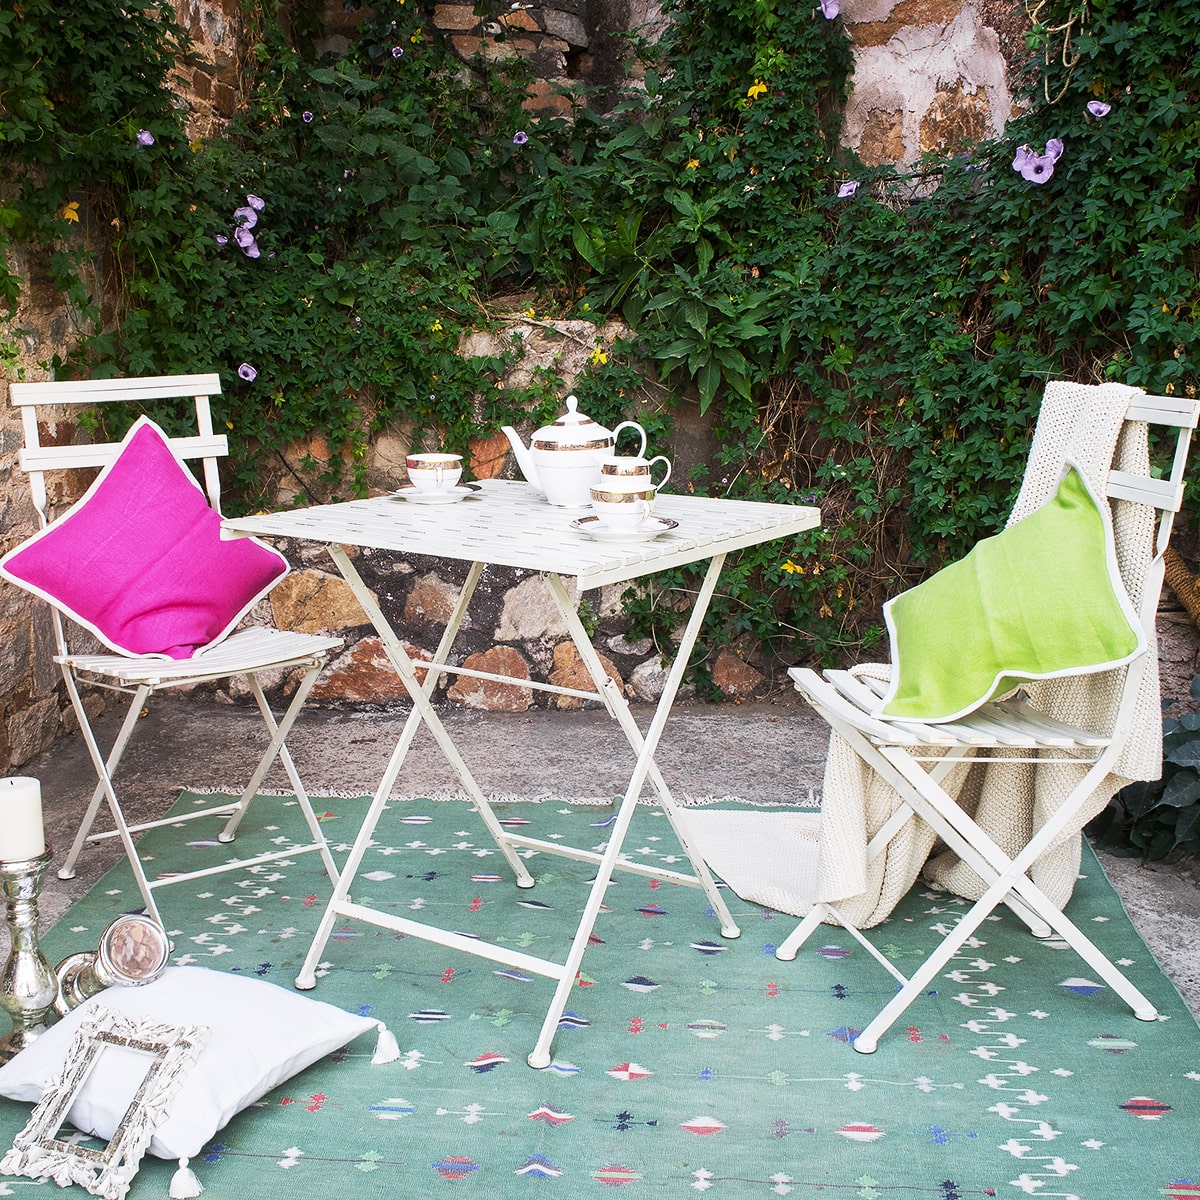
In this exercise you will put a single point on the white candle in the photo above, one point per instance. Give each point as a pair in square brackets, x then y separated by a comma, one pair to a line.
[22, 836]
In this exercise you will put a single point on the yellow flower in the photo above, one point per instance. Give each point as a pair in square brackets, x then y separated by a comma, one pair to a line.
[758, 88]
[692, 164]
[599, 358]
[529, 312]
[196, 145]
[792, 568]
[436, 327]
[70, 212]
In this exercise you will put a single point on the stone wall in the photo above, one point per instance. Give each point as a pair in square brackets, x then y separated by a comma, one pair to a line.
[930, 75]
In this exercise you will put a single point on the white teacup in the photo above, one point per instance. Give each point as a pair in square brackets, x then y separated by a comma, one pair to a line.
[632, 473]
[434, 472]
[624, 513]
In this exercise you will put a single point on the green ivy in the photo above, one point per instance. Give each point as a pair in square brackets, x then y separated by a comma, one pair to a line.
[879, 351]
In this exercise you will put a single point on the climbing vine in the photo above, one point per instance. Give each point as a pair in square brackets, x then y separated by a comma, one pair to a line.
[872, 341]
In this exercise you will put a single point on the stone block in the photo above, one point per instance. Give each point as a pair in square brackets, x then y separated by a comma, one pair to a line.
[387, 460]
[465, 45]
[570, 671]
[432, 598]
[734, 676]
[490, 695]
[364, 675]
[958, 116]
[32, 730]
[455, 16]
[882, 139]
[487, 456]
[565, 25]
[546, 101]
[621, 645]
[521, 19]
[529, 613]
[311, 601]
[647, 680]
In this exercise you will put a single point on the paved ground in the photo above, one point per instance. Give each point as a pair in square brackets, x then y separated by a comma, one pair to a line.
[771, 751]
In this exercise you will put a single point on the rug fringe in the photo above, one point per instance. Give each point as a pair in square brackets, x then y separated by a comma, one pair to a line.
[812, 799]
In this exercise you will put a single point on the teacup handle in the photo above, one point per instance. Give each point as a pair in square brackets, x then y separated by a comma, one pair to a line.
[662, 483]
[630, 425]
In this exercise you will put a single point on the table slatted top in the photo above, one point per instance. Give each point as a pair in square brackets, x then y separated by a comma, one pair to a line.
[510, 524]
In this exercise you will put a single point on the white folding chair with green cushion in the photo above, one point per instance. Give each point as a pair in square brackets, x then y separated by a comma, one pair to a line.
[1022, 694]
[139, 563]
[1061, 605]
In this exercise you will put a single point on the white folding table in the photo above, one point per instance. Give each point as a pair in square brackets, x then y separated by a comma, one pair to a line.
[509, 524]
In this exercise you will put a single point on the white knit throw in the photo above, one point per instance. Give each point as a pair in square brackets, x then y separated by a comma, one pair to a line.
[787, 861]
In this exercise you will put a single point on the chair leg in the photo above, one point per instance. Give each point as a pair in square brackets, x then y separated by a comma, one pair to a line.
[278, 749]
[787, 949]
[105, 792]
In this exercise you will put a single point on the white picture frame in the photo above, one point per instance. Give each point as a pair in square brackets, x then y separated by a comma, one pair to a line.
[40, 1151]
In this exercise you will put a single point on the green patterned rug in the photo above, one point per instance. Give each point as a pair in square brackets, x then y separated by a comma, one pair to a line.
[685, 1065]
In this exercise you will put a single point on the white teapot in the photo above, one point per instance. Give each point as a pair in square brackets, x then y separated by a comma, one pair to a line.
[563, 460]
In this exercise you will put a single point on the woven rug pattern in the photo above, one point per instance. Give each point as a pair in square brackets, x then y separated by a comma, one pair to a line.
[685, 1064]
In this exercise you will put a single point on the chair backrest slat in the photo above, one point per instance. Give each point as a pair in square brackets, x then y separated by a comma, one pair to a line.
[100, 454]
[1164, 410]
[205, 446]
[1160, 493]
[100, 391]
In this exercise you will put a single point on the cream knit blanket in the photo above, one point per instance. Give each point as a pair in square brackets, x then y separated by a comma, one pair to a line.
[787, 861]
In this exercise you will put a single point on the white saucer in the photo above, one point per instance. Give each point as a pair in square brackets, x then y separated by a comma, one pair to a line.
[650, 528]
[459, 492]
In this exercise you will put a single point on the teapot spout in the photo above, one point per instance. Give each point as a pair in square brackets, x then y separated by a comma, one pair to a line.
[523, 455]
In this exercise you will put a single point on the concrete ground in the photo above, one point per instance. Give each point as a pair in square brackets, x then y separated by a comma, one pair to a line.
[766, 751]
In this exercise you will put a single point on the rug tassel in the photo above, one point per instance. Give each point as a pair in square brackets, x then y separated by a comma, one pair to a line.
[184, 1184]
[387, 1049]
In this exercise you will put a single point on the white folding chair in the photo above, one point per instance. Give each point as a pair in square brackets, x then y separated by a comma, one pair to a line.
[915, 759]
[248, 652]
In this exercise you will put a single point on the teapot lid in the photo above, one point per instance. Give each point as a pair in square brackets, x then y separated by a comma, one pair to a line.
[573, 430]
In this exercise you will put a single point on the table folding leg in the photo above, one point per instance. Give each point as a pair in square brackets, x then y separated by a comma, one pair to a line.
[607, 862]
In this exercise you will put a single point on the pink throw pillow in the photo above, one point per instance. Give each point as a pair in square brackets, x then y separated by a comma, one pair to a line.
[139, 559]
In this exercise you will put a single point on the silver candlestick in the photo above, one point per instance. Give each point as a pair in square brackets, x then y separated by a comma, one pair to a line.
[28, 985]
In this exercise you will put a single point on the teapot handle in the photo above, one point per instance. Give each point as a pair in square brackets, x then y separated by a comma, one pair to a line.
[630, 425]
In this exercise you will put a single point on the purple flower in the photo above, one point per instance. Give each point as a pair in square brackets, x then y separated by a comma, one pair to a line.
[1038, 168]
[247, 372]
[246, 217]
[520, 137]
[306, 117]
[145, 138]
[397, 51]
[222, 240]
[848, 189]
[256, 202]
[1034, 167]
[245, 239]
[830, 9]
[1098, 109]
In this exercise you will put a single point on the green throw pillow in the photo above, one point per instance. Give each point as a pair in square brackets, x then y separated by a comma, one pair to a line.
[1042, 598]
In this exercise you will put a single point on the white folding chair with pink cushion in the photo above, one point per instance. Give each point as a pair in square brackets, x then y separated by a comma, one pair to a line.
[140, 564]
